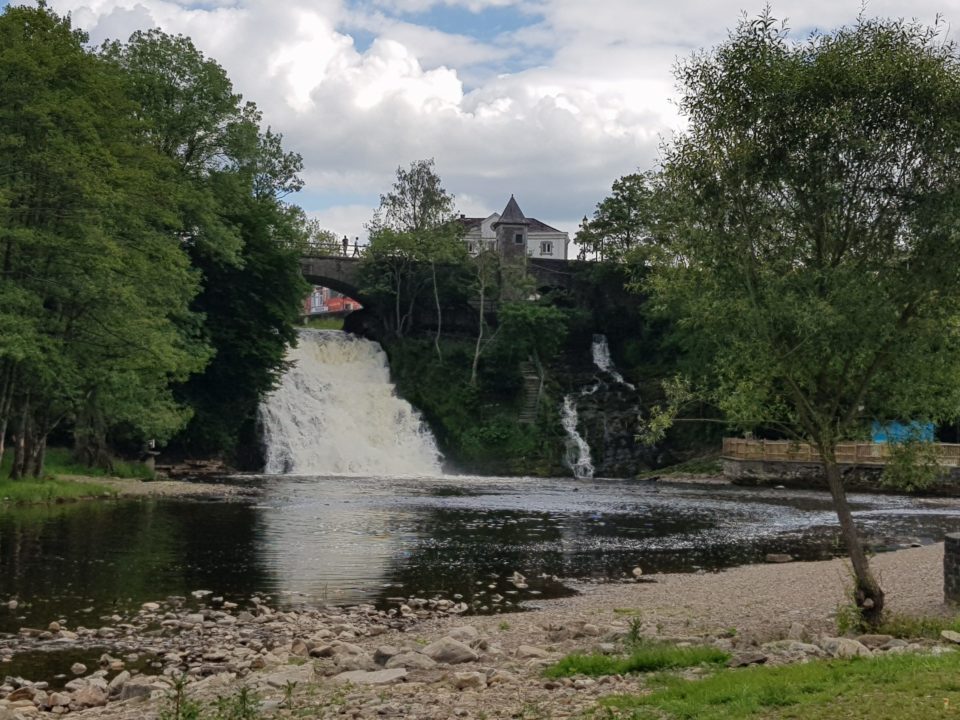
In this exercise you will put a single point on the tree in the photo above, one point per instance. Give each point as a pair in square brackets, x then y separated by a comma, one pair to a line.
[806, 236]
[241, 236]
[415, 225]
[94, 285]
[621, 221]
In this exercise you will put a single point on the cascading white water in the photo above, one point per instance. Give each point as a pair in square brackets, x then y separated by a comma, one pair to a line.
[336, 413]
[601, 358]
[578, 450]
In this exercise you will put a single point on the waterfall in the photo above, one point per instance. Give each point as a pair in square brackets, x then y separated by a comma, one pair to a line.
[578, 450]
[336, 413]
[601, 358]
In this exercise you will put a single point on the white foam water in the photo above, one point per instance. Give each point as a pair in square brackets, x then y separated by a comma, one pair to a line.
[337, 413]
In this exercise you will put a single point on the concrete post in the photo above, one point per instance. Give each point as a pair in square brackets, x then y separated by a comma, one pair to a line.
[951, 568]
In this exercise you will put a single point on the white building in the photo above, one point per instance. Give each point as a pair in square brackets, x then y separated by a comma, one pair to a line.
[543, 241]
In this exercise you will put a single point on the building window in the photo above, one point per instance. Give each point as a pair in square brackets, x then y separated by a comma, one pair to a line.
[518, 238]
[471, 247]
[546, 247]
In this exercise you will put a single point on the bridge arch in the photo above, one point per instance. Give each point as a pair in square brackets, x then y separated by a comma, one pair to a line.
[336, 273]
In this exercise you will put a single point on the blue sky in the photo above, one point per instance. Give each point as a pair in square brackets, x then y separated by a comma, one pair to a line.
[550, 100]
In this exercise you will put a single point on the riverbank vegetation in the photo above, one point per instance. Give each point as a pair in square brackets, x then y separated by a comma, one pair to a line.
[892, 687]
[150, 282]
[797, 240]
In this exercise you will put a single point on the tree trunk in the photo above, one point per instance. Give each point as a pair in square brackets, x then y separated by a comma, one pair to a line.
[436, 299]
[867, 592]
[20, 436]
[39, 457]
[476, 350]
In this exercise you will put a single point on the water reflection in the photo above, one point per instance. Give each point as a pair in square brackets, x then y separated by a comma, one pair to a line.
[341, 540]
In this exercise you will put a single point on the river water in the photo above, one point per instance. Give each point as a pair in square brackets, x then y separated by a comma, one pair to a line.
[312, 540]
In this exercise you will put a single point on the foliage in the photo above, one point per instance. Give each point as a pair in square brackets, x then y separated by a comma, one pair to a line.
[912, 627]
[415, 243]
[912, 464]
[709, 466]
[621, 223]
[95, 286]
[533, 330]
[242, 238]
[891, 687]
[805, 238]
[476, 425]
[644, 657]
[324, 323]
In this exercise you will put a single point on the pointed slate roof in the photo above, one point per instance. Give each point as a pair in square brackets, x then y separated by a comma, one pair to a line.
[511, 215]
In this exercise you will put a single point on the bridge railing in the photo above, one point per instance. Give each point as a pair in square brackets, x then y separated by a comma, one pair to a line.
[347, 250]
[848, 453]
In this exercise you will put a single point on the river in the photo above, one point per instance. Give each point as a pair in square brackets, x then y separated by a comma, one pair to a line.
[311, 540]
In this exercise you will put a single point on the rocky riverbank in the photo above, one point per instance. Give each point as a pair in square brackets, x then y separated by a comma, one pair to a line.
[422, 658]
[206, 490]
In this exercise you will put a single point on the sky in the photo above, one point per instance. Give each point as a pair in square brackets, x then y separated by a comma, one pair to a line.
[549, 100]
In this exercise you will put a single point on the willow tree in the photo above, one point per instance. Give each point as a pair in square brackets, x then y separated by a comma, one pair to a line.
[808, 238]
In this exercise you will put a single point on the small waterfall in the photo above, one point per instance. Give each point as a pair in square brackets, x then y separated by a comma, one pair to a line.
[336, 413]
[578, 450]
[601, 358]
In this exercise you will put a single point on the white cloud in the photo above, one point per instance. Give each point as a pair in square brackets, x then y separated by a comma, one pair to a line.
[557, 134]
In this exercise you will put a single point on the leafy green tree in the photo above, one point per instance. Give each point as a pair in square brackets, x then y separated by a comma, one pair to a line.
[621, 221]
[414, 227]
[240, 234]
[807, 236]
[94, 283]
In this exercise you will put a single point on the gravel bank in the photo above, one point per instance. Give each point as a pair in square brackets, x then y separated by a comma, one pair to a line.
[171, 488]
[412, 662]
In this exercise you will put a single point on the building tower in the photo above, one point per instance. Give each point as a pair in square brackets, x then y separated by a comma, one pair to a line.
[511, 229]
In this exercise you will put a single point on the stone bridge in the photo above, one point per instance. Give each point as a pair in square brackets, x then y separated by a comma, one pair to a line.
[340, 273]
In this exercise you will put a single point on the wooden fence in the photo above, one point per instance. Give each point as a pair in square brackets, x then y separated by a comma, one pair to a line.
[848, 453]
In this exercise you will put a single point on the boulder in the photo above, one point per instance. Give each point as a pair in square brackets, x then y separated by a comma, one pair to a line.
[845, 648]
[142, 686]
[383, 653]
[950, 636]
[466, 634]
[90, 696]
[527, 652]
[377, 677]
[745, 659]
[449, 651]
[78, 668]
[410, 661]
[469, 681]
[877, 641]
[778, 558]
[116, 685]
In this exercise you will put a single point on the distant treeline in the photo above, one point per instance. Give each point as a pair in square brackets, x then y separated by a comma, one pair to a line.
[149, 283]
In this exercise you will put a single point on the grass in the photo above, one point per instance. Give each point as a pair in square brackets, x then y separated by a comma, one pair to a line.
[891, 687]
[710, 466]
[907, 626]
[327, 323]
[52, 488]
[643, 658]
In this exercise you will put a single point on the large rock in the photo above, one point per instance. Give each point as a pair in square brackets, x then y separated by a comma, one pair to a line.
[527, 652]
[950, 636]
[116, 685]
[467, 634]
[142, 687]
[90, 696]
[469, 681]
[411, 661]
[377, 677]
[845, 648]
[449, 651]
[878, 641]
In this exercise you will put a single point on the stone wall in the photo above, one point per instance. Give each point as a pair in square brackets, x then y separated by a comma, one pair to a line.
[862, 478]
[951, 568]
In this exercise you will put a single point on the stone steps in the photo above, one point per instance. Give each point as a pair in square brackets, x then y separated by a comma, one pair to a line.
[531, 390]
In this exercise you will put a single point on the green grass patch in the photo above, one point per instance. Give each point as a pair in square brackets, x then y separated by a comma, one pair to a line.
[891, 687]
[60, 462]
[48, 490]
[709, 466]
[324, 323]
[907, 626]
[643, 658]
